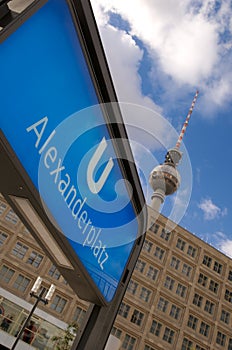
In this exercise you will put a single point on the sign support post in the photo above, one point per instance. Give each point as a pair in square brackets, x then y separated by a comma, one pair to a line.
[97, 325]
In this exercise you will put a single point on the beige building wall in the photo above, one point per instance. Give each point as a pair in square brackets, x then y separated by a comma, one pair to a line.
[179, 297]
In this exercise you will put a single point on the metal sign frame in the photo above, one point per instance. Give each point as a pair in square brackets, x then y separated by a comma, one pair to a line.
[15, 184]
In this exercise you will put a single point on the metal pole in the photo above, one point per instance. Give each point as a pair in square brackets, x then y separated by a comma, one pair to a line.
[95, 331]
[39, 298]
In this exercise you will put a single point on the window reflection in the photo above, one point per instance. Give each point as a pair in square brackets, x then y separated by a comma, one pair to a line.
[12, 317]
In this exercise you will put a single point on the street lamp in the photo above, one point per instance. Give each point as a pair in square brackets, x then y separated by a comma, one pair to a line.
[6, 14]
[39, 297]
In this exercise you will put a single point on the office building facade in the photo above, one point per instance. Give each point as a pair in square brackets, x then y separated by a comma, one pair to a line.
[179, 297]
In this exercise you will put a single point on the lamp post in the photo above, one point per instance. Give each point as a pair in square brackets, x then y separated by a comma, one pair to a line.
[39, 297]
[4, 9]
[6, 14]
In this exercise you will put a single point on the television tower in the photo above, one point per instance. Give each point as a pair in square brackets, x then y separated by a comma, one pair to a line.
[165, 178]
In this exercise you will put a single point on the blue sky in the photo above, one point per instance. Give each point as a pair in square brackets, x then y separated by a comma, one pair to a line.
[159, 53]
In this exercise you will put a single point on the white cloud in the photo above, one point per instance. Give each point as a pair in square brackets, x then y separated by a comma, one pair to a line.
[124, 58]
[184, 41]
[186, 44]
[219, 235]
[142, 116]
[211, 211]
[225, 245]
[222, 242]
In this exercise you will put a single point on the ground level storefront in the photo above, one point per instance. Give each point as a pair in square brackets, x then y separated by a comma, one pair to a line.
[43, 326]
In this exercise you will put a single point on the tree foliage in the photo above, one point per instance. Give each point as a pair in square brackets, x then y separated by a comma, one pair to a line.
[64, 342]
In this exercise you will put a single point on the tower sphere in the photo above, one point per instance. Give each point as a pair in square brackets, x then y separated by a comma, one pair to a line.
[165, 177]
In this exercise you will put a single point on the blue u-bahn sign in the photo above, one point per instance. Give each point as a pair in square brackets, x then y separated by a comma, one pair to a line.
[62, 140]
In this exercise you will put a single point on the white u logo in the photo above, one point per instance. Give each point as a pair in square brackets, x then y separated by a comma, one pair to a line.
[95, 187]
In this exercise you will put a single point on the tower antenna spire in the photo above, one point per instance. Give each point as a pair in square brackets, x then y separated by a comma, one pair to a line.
[186, 121]
[165, 178]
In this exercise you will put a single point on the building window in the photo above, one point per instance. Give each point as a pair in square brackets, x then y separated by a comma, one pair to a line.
[192, 322]
[159, 253]
[209, 307]
[152, 273]
[225, 316]
[221, 338]
[168, 335]
[175, 263]
[165, 234]
[180, 244]
[53, 272]
[21, 283]
[58, 304]
[217, 267]
[147, 347]
[162, 304]
[137, 317]
[202, 279]
[213, 286]
[147, 245]
[3, 207]
[154, 228]
[132, 287]
[175, 312]
[230, 344]
[207, 260]
[155, 328]
[12, 217]
[3, 237]
[35, 259]
[116, 332]
[79, 315]
[181, 290]
[145, 294]
[198, 347]
[230, 275]
[187, 344]
[191, 251]
[197, 300]
[124, 310]
[169, 283]
[186, 270]
[6, 274]
[228, 296]
[204, 329]
[19, 250]
[128, 342]
[140, 265]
